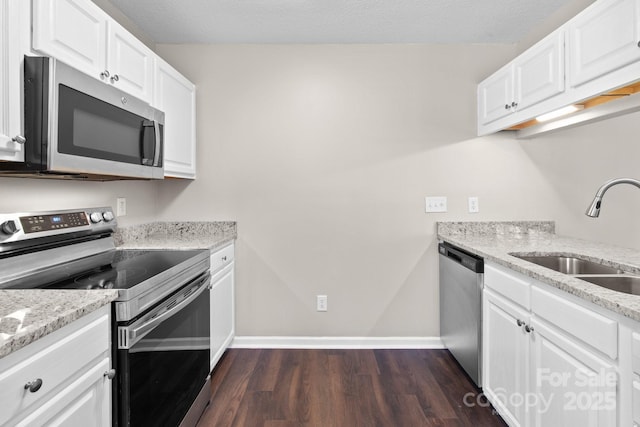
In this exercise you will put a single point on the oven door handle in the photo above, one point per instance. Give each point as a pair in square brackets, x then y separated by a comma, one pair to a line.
[128, 336]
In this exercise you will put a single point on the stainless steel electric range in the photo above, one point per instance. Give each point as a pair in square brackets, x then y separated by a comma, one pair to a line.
[161, 335]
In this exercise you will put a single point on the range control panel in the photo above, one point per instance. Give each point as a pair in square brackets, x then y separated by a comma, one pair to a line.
[23, 226]
[36, 223]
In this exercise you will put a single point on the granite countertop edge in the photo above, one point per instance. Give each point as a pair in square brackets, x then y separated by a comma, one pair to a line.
[184, 235]
[55, 309]
[496, 241]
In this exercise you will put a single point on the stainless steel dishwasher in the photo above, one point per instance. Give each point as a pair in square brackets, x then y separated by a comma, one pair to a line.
[461, 275]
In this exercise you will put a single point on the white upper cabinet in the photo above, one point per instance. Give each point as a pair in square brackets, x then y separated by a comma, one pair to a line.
[176, 96]
[73, 31]
[597, 51]
[495, 96]
[603, 39]
[539, 72]
[10, 80]
[534, 76]
[130, 62]
[82, 35]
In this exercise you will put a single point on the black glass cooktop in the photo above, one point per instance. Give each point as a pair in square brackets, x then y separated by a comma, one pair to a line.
[117, 269]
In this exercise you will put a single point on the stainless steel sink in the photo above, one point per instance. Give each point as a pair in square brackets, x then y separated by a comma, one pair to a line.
[569, 265]
[626, 284]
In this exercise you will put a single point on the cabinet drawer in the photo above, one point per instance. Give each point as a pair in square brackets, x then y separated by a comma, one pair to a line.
[55, 365]
[508, 284]
[590, 327]
[221, 257]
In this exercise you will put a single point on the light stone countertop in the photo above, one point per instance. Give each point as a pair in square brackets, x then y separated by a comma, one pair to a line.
[495, 241]
[27, 315]
[177, 235]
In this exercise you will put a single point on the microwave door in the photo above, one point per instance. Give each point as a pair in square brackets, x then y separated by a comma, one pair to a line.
[98, 129]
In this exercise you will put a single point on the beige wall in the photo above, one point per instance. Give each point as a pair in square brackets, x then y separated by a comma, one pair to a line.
[324, 155]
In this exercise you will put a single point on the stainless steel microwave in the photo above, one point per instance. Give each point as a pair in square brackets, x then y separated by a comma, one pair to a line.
[76, 126]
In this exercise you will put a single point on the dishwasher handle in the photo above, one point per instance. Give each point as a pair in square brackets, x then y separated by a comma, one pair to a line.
[467, 260]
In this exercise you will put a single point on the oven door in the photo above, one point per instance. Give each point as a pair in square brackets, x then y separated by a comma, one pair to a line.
[163, 358]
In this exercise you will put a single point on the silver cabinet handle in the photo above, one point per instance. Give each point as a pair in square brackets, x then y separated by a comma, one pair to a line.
[114, 78]
[19, 139]
[224, 258]
[105, 74]
[33, 386]
[110, 374]
[528, 328]
[520, 322]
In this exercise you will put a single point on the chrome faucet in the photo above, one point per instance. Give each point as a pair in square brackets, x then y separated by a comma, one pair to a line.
[594, 208]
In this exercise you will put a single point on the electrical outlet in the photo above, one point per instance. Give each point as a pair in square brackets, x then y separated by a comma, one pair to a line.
[474, 206]
[121, 206]
[321, 303]
[436, 204]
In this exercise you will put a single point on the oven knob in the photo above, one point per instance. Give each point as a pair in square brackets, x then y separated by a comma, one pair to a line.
[107, 216]
[9, 227]
[95, 217]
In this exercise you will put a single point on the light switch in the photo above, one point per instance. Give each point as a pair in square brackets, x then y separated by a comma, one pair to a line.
[436, 204]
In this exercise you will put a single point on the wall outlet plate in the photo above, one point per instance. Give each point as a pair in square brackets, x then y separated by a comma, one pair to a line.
[121, 206]
[321, 302]
[474, 205]
[436, 204]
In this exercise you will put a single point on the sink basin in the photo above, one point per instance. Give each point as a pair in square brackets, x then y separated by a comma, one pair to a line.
[626, 284]
[569, 265]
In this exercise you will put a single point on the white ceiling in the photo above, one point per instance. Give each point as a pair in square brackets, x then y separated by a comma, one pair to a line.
[337, 21]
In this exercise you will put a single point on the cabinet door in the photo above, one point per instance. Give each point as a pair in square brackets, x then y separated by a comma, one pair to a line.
[73, 31]
[505, 357]
[495, 95]
[10, 83]
[571, 386]
[603, 39]
[130, 62]
[84, 402]
[539, 72]
[222, 313]
[176, 96]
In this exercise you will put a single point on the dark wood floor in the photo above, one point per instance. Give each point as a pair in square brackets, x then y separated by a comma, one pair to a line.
[343, 388]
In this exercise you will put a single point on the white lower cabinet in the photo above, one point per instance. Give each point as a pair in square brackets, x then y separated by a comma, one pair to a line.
[571, 385]
[222, 302]
[506, 356]
[80, 404]
[61, 379]
[538, 373]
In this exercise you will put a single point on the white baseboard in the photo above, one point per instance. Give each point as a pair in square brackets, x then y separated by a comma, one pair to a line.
[338, 342]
